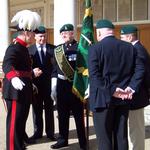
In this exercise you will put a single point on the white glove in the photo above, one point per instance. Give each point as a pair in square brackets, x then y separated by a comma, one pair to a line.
[53, 89]
[87, 92]
[17, 83]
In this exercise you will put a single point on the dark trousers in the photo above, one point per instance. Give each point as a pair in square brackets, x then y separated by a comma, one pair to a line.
[66, 102]
[17, 114]
[111, 128]
[42, 101]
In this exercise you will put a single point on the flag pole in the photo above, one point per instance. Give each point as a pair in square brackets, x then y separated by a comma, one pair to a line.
[87, 124]
[81, 76]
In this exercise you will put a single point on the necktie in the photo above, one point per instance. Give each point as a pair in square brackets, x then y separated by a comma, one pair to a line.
[42, 54]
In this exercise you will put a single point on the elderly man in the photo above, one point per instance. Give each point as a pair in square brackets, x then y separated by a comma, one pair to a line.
[66, 100]
[113, 81]
[141, 99]
[17, 85]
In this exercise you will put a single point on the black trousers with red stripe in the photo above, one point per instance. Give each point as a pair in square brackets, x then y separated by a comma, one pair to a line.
[17, 114]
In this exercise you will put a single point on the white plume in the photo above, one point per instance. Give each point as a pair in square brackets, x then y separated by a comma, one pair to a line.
[34, 21]
[26, 20]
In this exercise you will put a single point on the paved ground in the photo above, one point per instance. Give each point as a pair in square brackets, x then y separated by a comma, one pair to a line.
[44, 144]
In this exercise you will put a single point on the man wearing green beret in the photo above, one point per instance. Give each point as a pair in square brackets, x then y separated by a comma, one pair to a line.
[42, 63]
[65, 55]
[141, 99]
[113, 82]
[66, 27]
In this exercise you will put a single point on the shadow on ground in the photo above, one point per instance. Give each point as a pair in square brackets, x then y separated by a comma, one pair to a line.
[72, 137]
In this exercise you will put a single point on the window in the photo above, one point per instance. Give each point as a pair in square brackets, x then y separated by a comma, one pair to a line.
[116, 10]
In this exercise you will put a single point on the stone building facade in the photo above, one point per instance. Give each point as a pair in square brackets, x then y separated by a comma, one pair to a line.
[119, 11]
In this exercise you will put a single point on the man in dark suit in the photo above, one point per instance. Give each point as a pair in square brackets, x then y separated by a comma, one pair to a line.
[136, 122]
[115, 74]
[42, 54]
[66, 100]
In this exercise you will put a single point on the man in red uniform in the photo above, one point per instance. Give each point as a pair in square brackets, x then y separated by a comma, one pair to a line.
[17, 85]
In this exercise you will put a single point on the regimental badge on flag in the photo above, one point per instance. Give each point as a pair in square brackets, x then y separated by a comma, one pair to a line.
[81, 76]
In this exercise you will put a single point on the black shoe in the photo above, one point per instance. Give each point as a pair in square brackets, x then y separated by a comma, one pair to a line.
[60, 143]
[23, 147]
[52, 137]
[35, 137]
[83, 148]
[30, 141]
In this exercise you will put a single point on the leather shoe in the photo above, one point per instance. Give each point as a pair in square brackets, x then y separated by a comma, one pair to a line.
[60, 143]
[35, 137]
[52, 137]
[23, 147]
[30, 141]
[83, 148]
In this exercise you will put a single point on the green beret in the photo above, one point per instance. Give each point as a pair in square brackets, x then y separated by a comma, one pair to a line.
[128, 29]
[66, 27]
[104, 23]
[40, 29]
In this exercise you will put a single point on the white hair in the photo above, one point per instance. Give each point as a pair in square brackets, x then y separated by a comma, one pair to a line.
[104, 32]
[26, 20]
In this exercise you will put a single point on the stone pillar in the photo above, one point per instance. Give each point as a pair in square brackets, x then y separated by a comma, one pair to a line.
[4, 27]
[148, 9]
[64, 12]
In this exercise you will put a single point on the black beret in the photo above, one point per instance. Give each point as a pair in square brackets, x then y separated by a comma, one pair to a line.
[40, 29]
[66, 27]
[104, 23]
[128, 29]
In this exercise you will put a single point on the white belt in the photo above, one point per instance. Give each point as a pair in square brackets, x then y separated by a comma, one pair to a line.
[62, 77]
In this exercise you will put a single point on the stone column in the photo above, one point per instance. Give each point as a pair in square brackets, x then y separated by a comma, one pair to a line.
[4, 27]
[148, 9]
[64, 12]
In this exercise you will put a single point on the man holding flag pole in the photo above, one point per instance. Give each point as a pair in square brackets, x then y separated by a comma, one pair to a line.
[61, 89]
[71, 71]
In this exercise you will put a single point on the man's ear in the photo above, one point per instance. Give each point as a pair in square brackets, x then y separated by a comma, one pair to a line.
[98, 34]
[130, 38]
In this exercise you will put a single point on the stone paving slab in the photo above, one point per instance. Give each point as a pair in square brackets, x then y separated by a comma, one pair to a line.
[44, 143]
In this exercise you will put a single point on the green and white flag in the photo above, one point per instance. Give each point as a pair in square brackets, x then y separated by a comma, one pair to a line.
[81, 75]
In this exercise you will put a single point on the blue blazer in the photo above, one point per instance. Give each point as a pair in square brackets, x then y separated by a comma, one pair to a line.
[112, 63]
[141, 99]
[45, 79]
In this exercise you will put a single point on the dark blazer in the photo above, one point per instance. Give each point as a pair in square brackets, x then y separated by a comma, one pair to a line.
[46, 67]
[112, 63]
[141, 99]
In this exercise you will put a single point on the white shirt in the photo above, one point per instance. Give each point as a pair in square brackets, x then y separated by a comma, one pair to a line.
[39, 50]
[133, 43]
